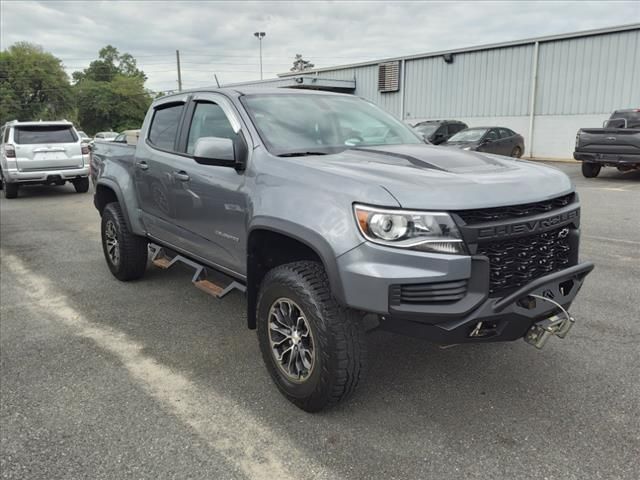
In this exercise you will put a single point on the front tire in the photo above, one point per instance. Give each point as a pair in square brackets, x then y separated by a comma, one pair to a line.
[81, 185]
[10, 190]
[590, 170]
[313, 348]
[125, 253]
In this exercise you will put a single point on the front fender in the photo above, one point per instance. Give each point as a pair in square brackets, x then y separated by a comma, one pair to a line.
[310, 238]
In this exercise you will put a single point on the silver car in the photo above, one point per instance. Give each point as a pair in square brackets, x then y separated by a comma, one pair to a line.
[106, 136]
[49, 153]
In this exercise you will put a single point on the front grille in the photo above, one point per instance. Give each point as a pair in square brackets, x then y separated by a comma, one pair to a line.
[471, 217]
[428, 293]
[514, 262]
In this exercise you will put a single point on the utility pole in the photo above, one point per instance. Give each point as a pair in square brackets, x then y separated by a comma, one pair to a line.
[179, 73]
[260, 36]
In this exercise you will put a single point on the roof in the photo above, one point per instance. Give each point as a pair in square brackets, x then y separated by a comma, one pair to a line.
[303, 81]
[439, 121]
[40, 122]
[491, 46]
[249, 89]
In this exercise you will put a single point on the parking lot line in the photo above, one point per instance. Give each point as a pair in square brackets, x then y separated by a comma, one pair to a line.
[607, 239]
[230, 430]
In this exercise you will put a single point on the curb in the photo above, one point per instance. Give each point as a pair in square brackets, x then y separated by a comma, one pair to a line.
[559, 160]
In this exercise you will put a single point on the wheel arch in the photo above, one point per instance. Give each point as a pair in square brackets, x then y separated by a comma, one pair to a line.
[107, 191]
[294, 242]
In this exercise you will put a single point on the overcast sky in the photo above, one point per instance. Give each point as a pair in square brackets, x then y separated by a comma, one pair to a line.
[217, 37]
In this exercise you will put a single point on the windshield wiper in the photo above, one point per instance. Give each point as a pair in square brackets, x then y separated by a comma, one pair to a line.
[300, 154]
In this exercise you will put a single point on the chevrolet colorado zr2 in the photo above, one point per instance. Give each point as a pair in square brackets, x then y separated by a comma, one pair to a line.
[325, 211]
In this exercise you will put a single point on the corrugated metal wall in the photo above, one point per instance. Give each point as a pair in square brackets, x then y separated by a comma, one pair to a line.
[484, 83]
[580, 76]
[367, 86]
[589, 75]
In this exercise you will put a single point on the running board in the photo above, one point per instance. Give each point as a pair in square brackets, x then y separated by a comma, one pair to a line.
[211, 281]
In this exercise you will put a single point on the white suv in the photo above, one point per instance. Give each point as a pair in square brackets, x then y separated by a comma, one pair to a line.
[42, 153]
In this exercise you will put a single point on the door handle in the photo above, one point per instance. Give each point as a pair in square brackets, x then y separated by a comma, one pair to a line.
[142, 165]
[181, 175]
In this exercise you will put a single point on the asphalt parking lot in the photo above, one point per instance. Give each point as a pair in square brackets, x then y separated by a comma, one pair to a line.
[155, 379]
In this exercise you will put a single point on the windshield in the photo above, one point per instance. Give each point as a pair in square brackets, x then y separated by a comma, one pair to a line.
[469, 135]
[427, 129]
[304, 123]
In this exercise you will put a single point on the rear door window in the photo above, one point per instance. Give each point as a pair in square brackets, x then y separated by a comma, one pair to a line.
[38, 134]
[505, 133]
[164, 126]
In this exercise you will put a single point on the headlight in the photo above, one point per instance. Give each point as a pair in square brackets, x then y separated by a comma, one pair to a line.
[423, 231]
[466, 148]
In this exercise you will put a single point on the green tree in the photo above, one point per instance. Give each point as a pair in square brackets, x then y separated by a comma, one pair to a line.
[110, 93]
[300, 64]
[110, 63]
[33, 85]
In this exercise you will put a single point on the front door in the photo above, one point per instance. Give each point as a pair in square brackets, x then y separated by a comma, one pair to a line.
[210, 202]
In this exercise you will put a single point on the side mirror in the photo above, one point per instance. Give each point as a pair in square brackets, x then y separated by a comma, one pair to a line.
[217, 151]
[487, 140]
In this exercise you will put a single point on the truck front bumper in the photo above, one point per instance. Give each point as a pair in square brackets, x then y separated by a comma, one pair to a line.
[472, 316]
[45, 176]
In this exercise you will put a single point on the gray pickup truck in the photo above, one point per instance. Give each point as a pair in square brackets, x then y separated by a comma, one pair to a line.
[331, 215]
[617, 144]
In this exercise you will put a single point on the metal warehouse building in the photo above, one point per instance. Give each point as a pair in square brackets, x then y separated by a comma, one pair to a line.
[544, 88]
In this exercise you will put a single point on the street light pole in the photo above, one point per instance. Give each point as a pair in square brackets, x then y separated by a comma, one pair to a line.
[260, 36]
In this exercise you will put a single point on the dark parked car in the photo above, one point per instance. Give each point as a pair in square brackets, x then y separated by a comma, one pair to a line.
[439, 131]
[498, 140]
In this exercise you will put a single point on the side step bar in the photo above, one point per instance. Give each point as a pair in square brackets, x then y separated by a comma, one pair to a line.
[213, 282]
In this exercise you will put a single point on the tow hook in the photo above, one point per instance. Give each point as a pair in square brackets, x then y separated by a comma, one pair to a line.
[556, 325]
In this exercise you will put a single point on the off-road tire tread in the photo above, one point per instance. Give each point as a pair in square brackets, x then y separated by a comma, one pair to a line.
[341, 332]
[10, 190]
[133, 248]
[81, 185]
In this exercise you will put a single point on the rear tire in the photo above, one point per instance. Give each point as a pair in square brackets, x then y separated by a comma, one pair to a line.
[126, 253]
[10, 190]
[333, 334]
[590, 170]
[81, 185]
[517, 152]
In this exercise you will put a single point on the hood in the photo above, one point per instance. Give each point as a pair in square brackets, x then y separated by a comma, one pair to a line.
[428, 177]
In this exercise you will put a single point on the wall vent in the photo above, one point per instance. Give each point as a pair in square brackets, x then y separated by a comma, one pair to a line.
[389, 77]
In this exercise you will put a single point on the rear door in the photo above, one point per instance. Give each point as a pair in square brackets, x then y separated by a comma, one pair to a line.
[47, 147]
[155, 163]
